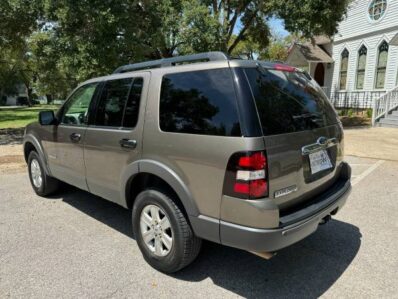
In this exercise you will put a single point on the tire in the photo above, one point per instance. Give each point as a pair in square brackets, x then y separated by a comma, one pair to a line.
[47, 185]
[185, 245]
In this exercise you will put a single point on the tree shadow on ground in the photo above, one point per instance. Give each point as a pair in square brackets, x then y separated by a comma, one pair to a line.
[306, 269]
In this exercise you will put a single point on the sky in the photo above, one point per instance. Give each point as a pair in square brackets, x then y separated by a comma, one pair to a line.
[276, 25]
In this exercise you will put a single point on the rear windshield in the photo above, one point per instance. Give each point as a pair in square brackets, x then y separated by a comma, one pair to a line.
[288, 101]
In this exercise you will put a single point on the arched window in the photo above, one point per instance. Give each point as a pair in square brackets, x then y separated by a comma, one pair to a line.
[361, 67]
[377, 9]
[343, 69]
[381, 65]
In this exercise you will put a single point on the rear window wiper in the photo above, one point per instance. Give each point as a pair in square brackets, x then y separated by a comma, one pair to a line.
[308, 115]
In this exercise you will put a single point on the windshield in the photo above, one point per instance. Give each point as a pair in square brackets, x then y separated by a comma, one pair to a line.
[289, 101]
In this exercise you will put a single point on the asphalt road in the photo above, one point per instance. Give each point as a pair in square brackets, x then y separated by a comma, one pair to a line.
[78, 245]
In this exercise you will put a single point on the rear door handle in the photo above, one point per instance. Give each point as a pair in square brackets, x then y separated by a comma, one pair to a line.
[128, 143]
[75, 137]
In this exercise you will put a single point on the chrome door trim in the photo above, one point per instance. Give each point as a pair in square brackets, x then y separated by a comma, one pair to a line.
[321, 143]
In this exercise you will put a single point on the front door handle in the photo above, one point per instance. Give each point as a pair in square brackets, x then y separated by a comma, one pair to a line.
[128, 143]
[75, 137]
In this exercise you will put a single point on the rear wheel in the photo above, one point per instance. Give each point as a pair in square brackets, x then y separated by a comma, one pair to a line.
[163, 233]
[41, 183]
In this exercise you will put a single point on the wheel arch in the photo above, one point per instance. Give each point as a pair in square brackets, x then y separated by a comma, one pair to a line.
[32, 144]
[149, 173]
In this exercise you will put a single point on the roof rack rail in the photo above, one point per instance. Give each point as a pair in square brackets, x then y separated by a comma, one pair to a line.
[173, 61]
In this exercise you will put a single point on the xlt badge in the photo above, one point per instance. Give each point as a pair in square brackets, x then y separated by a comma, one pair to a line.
[285, 191]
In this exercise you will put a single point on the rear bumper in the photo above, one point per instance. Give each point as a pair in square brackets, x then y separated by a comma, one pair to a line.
[294, 227]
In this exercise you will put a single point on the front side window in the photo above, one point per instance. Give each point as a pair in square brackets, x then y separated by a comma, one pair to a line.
[199, 102]
[343, 69]
[75, 111]
[119, 103]
[361, 67]
[381, 65]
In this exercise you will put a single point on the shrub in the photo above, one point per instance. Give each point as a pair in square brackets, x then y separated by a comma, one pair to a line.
[369, 112]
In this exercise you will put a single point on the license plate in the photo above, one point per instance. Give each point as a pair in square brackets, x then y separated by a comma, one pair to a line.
[319, 161]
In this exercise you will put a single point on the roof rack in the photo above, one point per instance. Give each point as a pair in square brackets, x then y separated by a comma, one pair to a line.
[173, 61]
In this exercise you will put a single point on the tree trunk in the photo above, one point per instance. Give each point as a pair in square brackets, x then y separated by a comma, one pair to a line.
[1, 96]
[30, 97]
[49, 98]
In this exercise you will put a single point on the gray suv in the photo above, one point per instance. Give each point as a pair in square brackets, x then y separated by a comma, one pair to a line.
[247, 154]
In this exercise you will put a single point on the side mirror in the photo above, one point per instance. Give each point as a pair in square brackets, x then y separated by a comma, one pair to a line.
[47, 118]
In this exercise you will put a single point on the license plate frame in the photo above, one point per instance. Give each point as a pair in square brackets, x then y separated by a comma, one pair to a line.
[319, 161]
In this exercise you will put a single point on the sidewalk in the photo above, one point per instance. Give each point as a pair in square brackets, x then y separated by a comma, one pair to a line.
[377, 143]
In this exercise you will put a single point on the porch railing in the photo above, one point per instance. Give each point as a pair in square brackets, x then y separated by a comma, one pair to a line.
[385, 104]
[355, 99]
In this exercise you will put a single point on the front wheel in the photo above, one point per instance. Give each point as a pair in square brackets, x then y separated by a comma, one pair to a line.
[163, 233]
[42, 184]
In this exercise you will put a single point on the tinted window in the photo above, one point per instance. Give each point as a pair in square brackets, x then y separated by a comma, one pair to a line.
[289, 102]
[76, 108]
[133, 104]
[200, 102]
[119, 103]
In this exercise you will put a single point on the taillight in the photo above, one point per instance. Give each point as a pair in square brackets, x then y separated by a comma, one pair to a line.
[246, 175]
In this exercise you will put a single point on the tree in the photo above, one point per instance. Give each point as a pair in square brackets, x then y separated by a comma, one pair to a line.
[234, 22]
[63, 42]
[247, 49]
[277, 51]
[311, 17]
[15, 70]
[19, 19]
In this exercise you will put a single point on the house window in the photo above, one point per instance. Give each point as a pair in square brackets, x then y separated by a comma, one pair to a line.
[361, 67]
[381, 65]
[343, 69]
[377, 9]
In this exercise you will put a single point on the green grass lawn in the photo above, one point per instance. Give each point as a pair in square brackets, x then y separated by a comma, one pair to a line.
[21, 116]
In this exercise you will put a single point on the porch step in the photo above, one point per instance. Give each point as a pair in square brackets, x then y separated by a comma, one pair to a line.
[392, 116]
[389, 122]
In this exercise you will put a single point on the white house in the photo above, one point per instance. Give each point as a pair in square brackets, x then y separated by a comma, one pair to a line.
[12, 100]
[360, 63]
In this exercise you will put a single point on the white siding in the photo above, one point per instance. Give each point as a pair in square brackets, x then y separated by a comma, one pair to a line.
[372, 43]
[357, 21]
[358, 29]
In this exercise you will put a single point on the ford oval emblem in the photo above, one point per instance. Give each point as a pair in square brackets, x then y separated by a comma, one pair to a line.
[322, 140]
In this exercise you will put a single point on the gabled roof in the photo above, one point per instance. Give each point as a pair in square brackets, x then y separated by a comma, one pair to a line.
[322, 40]
[312, 53]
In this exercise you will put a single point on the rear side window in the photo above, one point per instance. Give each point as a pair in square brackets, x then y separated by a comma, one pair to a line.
[289, 102]
[199, 102]
[119, 103]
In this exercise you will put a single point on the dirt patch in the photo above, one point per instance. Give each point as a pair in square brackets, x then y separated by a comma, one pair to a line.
[355, 121]
[11, 136]
[11, 159]
[11, 150]
[12, 168]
